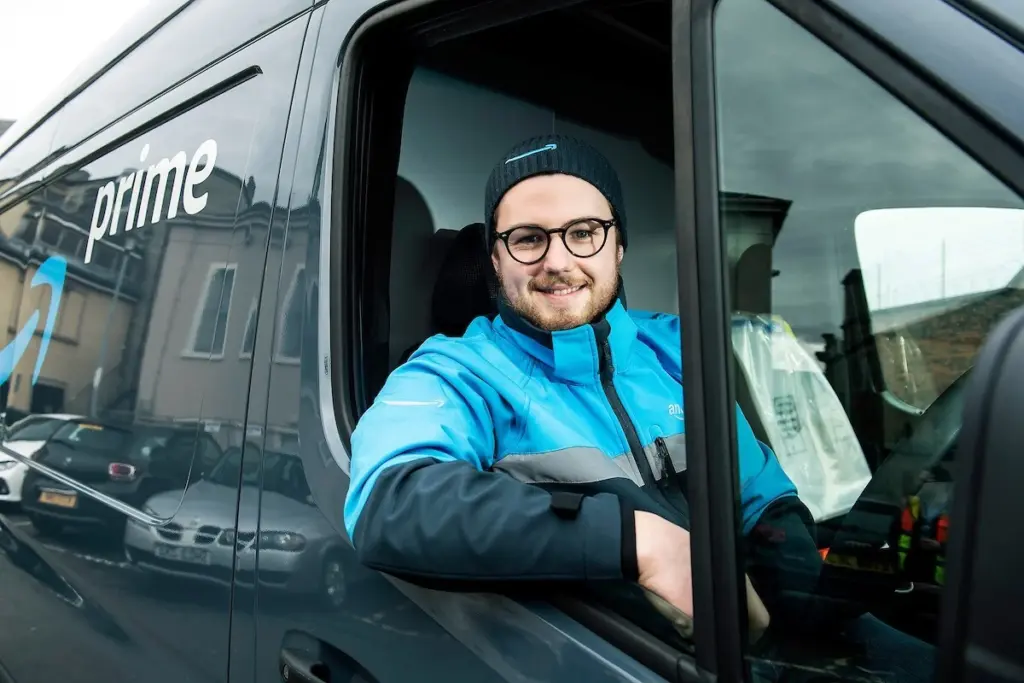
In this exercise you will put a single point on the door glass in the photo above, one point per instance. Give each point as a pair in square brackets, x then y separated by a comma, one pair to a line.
[868, 257]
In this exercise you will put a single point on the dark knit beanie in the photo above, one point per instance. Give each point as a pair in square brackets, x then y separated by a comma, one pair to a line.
[553, 154]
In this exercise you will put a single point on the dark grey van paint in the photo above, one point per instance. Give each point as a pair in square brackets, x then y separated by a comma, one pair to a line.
[79, 600]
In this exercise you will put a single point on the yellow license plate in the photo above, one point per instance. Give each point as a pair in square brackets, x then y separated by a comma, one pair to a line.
[64, 500]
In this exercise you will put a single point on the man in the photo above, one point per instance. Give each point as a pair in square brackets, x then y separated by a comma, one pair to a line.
[549, 443]
[546, 444]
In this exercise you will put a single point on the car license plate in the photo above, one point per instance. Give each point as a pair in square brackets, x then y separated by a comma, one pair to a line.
[182, 554]
[64, 500]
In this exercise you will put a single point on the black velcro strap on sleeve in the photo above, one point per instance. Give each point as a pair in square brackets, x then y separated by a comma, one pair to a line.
[566, 504]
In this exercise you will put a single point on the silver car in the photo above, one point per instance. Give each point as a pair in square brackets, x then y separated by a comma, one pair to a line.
[300, 551]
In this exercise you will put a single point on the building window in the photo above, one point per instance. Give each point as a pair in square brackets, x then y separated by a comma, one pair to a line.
[249, 336]
[289, 338]
[209, 327]
[73, 199]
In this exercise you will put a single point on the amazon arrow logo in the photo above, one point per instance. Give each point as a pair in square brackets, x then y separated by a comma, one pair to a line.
[51, 273]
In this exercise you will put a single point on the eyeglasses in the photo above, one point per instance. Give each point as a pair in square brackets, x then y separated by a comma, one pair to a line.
[583, 237]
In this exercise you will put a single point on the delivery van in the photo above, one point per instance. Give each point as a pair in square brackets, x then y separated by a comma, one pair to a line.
[228, 226]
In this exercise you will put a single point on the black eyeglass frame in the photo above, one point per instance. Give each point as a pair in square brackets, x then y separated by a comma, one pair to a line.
[606, 223]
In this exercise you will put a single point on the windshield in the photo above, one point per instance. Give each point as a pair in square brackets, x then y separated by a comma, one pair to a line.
[933, 288]
[92, 437]
[282, 473]
[34, 429]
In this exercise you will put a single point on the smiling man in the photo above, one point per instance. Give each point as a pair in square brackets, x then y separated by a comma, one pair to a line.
[547, 443]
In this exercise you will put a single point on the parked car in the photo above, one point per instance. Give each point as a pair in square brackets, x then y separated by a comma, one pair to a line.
[302, 554]
[126, 463]
[222, 232]
[25, 437]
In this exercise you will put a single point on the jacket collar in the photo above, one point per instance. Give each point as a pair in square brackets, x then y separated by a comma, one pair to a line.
[571, 355]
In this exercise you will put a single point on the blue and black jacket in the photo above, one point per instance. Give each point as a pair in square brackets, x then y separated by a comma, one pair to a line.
[513, 454]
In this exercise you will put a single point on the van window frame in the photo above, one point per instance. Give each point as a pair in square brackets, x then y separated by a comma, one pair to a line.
[348, 204]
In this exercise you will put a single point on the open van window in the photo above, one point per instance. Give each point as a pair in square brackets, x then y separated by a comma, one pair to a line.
[442, 114]
[424, 126]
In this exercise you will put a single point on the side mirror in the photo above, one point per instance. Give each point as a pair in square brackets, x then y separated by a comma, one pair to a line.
[982, 628]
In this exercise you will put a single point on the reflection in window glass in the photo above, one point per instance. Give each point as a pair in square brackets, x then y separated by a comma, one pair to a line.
[872, 260]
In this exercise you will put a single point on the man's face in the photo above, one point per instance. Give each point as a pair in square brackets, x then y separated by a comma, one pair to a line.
[562, 291]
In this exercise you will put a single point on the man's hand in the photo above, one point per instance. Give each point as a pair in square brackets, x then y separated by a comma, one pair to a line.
[663, 558]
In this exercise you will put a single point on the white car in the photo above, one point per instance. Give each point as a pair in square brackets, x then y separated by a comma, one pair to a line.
[25, 437]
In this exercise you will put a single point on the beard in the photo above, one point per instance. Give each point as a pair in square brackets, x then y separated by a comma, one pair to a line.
[533, 309]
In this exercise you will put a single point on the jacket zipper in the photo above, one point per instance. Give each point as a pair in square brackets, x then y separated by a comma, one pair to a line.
[606, 370]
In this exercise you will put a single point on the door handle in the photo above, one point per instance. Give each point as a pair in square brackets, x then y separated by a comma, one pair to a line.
[303, 667]
[307, 659]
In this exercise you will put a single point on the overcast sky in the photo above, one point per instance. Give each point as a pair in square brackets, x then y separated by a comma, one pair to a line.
[43, 40]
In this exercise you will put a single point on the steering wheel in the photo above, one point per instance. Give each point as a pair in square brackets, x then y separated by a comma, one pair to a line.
[859, 568]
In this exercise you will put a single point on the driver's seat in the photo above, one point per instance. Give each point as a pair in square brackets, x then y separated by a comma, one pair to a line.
[465, 288]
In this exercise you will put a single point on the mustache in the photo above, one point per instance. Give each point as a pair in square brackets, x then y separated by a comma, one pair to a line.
[542, 282]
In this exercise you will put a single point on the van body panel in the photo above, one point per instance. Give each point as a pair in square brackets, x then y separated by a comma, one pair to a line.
[125, 81]
[155, 330]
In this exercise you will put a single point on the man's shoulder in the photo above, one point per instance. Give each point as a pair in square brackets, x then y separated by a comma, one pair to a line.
[655, 326]
[478, 347]
[653, 318]
[473, 366]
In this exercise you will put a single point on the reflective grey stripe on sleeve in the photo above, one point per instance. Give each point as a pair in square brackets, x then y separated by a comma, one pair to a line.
[584, 465]
[575, 465]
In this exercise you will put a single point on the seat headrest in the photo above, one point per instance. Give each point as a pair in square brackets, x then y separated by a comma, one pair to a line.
[466, 286]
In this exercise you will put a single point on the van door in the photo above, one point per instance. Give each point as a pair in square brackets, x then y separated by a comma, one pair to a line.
[396, 146]
[131, 278]
[849, 325]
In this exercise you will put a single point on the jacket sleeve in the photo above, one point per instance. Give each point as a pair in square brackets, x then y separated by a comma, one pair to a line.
[422, 503]
[784, 565]
[762, 479]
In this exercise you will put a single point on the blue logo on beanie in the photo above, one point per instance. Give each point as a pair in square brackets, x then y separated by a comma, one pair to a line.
[546, 148]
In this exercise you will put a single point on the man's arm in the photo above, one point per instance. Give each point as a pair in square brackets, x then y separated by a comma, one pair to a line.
[782, 554]
[421, 503]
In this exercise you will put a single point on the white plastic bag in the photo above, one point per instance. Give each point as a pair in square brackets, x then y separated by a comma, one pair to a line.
[804, 419]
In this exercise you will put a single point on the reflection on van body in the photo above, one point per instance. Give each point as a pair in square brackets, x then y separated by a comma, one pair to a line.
[300, 551]
[26, 438]
[148, 340]
[126, 462]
